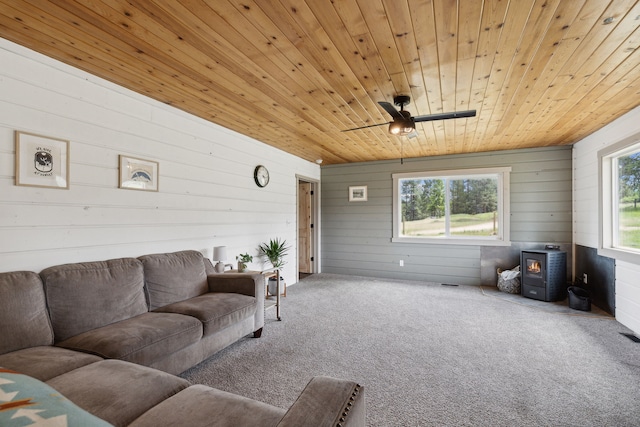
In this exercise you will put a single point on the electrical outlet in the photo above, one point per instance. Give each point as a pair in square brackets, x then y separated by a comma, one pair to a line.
[401, 263]
[584, 278]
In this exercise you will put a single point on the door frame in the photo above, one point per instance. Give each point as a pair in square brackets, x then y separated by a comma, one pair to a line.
[315, 220]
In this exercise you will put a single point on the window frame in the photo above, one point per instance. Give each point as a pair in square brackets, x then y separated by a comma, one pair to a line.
[608, 199]
[503, 236]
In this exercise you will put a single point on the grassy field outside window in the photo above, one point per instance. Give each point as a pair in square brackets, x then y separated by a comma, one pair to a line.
[619, 192]
[465, 206]
[628, 188]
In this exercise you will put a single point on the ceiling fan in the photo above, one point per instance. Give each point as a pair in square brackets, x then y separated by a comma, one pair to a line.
[403, 123]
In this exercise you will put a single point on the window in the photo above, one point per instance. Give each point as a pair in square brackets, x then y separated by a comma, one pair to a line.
[620, 200]
[454, 207]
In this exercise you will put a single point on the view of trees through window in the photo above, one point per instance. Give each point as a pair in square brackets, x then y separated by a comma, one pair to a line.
[629, 201]
[449, 206]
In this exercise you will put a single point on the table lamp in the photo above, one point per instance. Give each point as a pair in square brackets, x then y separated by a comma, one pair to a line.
[220, 255]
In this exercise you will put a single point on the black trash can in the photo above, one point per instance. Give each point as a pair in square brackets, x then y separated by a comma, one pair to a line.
[579, 299]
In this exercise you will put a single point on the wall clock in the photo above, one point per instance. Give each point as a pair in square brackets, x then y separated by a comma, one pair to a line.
[261, 176]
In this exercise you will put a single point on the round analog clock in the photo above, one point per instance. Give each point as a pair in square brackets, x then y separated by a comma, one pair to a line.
[261, 175]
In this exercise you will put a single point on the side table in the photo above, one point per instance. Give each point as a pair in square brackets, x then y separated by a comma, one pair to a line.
[267, 274]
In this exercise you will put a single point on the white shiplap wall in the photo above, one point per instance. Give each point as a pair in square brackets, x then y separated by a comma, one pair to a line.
[207, 195]
[585, 211]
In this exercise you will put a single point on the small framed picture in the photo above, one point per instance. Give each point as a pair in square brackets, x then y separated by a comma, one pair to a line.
[138, 174]
[41, 161]
[358, 193]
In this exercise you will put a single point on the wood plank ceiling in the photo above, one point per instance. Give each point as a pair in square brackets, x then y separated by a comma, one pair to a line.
[295, 74]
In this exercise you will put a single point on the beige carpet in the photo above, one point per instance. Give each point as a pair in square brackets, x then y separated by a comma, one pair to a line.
[560, 307]
[434, 355]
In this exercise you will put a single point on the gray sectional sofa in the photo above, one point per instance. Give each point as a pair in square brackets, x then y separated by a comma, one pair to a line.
[108, 336]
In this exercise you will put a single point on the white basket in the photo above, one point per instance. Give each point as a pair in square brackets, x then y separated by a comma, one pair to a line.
[509, 280]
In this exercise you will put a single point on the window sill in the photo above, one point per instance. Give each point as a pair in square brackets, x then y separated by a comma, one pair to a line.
[619, 254]
[452, 241]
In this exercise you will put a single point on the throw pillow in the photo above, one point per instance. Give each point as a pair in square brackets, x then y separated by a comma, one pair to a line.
[26, 401]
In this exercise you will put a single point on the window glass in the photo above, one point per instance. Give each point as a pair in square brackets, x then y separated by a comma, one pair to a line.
[422, 207]
[627, 233]
[619, 191]
[474, 206]
[451, 205]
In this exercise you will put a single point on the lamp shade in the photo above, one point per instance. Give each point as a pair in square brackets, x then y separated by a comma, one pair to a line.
[220, 253]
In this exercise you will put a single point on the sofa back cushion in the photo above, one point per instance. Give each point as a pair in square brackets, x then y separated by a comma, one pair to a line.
[24, 320]
[89, 295]
[174, 277]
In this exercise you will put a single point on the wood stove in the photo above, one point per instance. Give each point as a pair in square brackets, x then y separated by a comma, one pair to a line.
[543, 274]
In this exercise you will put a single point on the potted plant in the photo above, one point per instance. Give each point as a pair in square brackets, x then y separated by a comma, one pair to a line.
[275, 251]
[243, 259]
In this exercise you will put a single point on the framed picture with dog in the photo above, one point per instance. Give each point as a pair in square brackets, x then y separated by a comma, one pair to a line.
[41, 161]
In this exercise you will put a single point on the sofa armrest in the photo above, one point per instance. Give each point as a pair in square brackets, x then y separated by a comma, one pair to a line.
[327, 402]
[239, 283]
[246, 284]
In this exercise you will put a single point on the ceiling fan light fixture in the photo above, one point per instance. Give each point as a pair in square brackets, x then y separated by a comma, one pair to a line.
[401, 127]
[404, 124]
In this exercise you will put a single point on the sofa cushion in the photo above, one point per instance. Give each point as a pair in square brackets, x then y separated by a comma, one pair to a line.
[142, 339]
[117, 391]
[216, 311]
[173, 277]
[46, 362]
[201, 406]
[85, 296]
[28, 401]
[24, 321]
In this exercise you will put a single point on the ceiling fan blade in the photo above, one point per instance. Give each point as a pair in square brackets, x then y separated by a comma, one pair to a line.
[445, 116]
[364, 127]
[391, 110]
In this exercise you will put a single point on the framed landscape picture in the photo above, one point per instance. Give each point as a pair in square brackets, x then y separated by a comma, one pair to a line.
[138, 174]
[358, 193]
[41, 161]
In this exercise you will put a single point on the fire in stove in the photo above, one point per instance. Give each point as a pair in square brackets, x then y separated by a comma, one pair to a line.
[533, 266]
